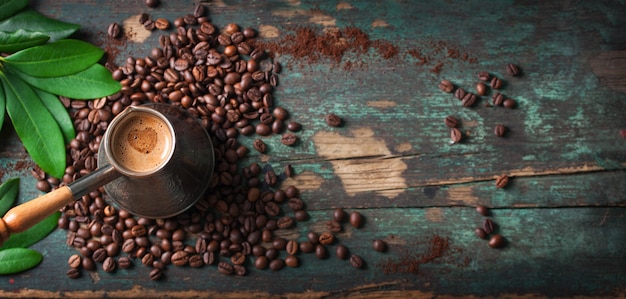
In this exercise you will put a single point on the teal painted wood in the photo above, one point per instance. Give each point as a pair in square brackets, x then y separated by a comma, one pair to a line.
[562, 213]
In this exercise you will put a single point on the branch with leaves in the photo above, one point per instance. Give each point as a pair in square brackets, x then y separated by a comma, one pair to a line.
[38, 64]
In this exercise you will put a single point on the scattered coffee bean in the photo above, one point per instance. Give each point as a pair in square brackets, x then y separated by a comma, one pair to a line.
[73, 273]
[496, 83]
[508, 103]
[260, 146]
[497, 99]
[225, 268]
[356, 219]
[292, 261]
[156, 274]
[356, 261]
[446, 86]
[294, 126]
[500, 130]
[497, 241]
[333, 120]
[482, 210]
[469, 100]
[502, 181]
[261, 262]
[488, 226]
[455, 135]
[451, 121]
[307, 247]
[334, 226]
[124, 262]
[114, 30]
[339, 215]
[480, 233]
[513, 69]
[109, 265]
[326, 238]
[460, 93]
[289, 139]
[380, 245]
[289, 172]
[484, 76]
[74, 261]
[481, 89]
[342, 252]
[161, 24]
[292, 247]
[277, 264]
[320, 251]
[151, 3]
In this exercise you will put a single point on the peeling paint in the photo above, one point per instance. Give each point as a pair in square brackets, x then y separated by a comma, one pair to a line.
[134, 31]
[362, 162]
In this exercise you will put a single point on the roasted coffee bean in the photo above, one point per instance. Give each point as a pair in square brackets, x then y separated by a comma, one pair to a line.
[149, 25]
[326, 238]
[333, 120]
[481, 89]
[289, 139]
[147, 259]
[292, 261]
[356, 261]
[496, 83]
[279, 243]
[513, 69]
[88, 264]
[285, 222]
[196, 261]
[455, 135]
[497, 241]
[109, 265]
[180, 258]
[342, 252]
[162, 24]
[334, 226]
[301, 215]
[99, 255]
[263, 129]
[502, 181]
[484, 76]
[480, 233]
[237, 258]
[270, 178]
[339, 215]
[446, 86]
[277, 264]
[124, 262]
[508, 103]
[500, 130]
[356, 219]
[307, 247]
[73, 273]
[114, 30]
[289, 172]
[239, 270]
[460, 93]
[320, 251]
[151, 3]
[75, 261]
[156, 274]
[488, 226]
[469, 100]
[379, 245]
[296, 203]
[482, 210]
[497, 99]
[451, 121]
[292, 191]
[292, 247]
[225, 268]
[294, 126]
[261, 262]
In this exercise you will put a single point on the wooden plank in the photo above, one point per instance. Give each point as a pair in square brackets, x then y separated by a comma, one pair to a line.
[553, 252]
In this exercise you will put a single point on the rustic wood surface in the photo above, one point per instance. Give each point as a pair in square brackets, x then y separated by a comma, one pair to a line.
[563, 213]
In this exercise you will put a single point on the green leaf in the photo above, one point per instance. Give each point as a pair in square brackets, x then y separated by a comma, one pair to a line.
[14, 41]
[8, 194]
[9, 7]
[16, 260]
[61, 58]
[33, 234]
[31, 20]
[3, 102]
[59, 113]
[94, 82]
[33, 123]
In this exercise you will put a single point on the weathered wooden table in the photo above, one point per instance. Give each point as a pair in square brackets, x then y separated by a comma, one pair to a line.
[563, 213]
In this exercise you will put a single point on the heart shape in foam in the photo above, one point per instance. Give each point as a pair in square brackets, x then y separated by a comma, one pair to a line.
[143, 140]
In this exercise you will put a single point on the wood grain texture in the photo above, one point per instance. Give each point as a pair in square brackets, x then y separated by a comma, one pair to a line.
[563, 213]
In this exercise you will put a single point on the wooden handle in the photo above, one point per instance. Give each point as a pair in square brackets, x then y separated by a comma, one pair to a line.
[24, 216]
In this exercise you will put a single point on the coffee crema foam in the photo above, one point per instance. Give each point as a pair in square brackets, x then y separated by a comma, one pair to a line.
[142, 142]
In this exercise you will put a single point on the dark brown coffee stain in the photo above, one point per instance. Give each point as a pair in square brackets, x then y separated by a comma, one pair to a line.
[609, 67]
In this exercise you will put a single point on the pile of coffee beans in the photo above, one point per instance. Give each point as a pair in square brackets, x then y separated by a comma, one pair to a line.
[227, 84]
